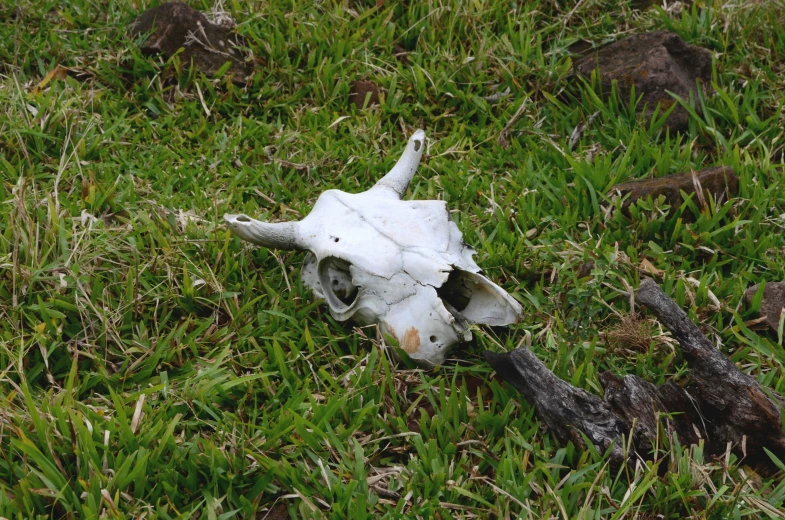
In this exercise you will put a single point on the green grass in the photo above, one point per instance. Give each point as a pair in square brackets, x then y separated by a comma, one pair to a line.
[154, 366]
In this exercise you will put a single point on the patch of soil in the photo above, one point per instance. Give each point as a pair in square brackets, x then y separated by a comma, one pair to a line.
[174, 25]
[654, 64]
[361, 90]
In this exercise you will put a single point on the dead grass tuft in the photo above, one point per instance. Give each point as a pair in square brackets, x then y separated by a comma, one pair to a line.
[632, 334]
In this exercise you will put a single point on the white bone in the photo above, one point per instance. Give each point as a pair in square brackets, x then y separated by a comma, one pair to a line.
[282, 235]
[400, 264]
[397, 180]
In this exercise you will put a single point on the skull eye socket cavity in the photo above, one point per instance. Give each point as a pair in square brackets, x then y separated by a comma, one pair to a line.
[336, 281]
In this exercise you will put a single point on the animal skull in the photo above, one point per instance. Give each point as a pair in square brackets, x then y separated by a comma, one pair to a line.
[399, 263]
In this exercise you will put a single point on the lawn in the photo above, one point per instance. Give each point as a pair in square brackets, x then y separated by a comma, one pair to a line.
[152, 365]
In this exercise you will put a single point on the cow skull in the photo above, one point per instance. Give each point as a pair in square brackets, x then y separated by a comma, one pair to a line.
[399, 263]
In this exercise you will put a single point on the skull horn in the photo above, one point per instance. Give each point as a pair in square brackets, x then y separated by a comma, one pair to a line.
[281, 235]
[397, 180]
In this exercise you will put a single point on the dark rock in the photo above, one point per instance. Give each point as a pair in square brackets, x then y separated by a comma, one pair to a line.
[772, 304]
[654, 63]
[174, 25]
[361, 89]
[720, 181]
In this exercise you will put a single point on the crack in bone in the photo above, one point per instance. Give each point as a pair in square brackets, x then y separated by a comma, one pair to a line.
[384, 234]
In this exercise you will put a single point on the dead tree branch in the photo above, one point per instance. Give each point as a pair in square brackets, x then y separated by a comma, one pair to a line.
[721, 404]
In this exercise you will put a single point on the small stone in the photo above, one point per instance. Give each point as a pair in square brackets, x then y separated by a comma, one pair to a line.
[361, 89]
[174, 25]
[720, 182]
[654, 63]
[772, 303]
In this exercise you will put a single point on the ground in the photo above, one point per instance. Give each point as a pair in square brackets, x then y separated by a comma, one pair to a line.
[154, 366]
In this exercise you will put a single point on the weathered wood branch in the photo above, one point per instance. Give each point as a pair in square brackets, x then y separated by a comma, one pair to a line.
[721, 404]
[733, 405]
[568, 411]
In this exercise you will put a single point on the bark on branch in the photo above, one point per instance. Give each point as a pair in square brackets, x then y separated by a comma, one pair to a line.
[721, 404]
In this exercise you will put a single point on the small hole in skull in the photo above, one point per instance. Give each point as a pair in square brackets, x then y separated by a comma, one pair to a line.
[417, 145]
[433, 339]
[336, 239]
[243, 218]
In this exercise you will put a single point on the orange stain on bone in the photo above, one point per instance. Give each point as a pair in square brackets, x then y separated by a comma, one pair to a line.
[411, 341]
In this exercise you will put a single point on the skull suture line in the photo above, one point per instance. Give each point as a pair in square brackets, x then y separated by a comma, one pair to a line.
[399, 263]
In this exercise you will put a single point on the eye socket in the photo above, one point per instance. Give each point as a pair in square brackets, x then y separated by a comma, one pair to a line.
[433, 339]
[336, 280]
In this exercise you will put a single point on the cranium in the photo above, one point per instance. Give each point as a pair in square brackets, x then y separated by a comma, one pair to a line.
[401, 264]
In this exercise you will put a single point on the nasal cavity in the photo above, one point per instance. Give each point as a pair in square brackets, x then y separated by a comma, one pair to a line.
[456, 291]
[417, 145]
